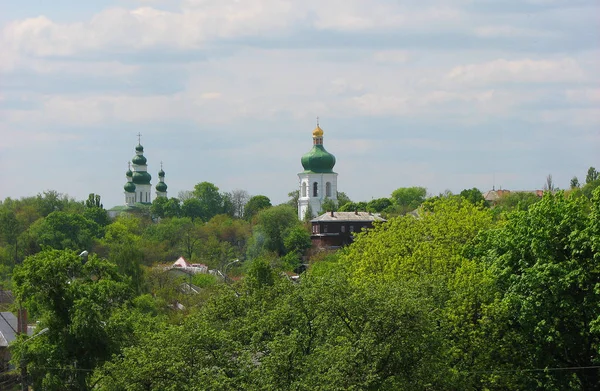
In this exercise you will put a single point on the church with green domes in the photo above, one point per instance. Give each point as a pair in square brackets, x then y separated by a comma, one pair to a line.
[138, 188]
[318, 182]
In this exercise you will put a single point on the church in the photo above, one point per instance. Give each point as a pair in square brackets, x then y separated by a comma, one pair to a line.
[318, 182]
[138, 188]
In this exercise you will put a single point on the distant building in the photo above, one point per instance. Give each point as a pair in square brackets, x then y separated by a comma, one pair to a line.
[138, 188]
[318, 182]
[492, 196]
[336, 229]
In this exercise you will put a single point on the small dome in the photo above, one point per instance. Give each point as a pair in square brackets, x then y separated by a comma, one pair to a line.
[129, 174]
[139, 148]
[139, 160]
[161, 173]
[318, 160]
[141, 178]
[318, 132]
[161, 187]
[129, 187]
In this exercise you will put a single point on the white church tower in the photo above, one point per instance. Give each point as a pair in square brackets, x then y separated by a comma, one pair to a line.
[161, 186]
[138, 186]
[318, 182]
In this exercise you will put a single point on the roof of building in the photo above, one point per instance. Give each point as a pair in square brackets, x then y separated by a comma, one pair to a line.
[8, 327]
[348, 216]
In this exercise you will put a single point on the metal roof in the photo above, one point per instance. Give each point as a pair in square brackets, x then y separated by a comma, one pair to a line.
[348, 217]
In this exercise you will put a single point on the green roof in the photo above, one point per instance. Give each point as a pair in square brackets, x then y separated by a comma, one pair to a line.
[318, 160]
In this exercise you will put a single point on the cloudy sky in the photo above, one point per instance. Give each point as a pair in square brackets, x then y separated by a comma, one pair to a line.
[445, 94]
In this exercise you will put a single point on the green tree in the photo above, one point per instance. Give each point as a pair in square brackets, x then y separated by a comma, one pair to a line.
[544, 260]
[342, 198]
[254, 205]
[575, 183]
[592, 175]
[61, 230]
[520, 200]
[474, 196]
[274, 223]
[328, 205]
[378, 205]
[293, 201]
[407, 199]
[75, 302]
[211, 201]
[193, 209]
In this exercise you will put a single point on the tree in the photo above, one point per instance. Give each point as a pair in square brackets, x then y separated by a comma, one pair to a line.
[474, 196]
[274, 224]
[211, 201]
[574, 183]
[544, 260]
[378, 205]
[192, 208]
[407, 199]
[93, 201]
[10, 229]
[549, 185]
[296, 242]
[328, 205]
[61, 230]
[75, 301]
[342, 198]
[293, 201]
[255, 204]
[592, 175]
[517, 200]
[239, 198]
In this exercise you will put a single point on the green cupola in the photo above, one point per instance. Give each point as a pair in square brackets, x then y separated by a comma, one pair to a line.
[318, 160]
[161, 187]
[129, 187]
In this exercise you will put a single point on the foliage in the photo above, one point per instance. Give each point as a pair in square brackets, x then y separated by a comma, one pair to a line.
[342, 198]
[255, 204]
[474, 196]
[378, 205]
[545, 261]
[62, 230]
[592, 175]
[75, 302]
[516, 200]
[211, 202]
[409, 198]
[274, 223]
[574, 183]
[328, 205]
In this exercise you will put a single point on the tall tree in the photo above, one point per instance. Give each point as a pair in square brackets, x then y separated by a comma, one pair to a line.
[408, 198]
[239, 199]
[574, 183]
[254, 205]
[211, 201]
[592, 175]
[75, 302]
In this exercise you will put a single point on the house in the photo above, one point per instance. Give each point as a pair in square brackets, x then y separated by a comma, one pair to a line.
[492, 196]
[336, 229]
[192, 268]
[10, 326]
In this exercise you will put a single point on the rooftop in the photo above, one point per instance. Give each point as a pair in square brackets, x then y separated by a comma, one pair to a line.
[348, 216]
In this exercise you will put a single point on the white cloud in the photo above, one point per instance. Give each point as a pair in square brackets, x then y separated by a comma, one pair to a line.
[391, 56]
[505, 31]
[527, 70]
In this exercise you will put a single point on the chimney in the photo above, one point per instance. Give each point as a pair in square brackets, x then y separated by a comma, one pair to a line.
[356, 212]
[332, 214]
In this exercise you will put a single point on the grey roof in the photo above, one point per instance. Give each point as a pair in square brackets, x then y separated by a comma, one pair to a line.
[8, 326]
[348, 216]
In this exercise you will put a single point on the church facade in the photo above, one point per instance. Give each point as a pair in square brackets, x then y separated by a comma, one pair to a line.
[318, 181]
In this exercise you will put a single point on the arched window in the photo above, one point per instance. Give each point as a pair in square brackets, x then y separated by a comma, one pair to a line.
[328, 189]
[303, 189]
[315, 189]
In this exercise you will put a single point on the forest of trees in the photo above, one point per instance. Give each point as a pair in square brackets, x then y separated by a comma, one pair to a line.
[461, 295]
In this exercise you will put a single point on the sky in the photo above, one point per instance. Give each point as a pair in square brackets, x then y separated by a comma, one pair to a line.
[444, 94]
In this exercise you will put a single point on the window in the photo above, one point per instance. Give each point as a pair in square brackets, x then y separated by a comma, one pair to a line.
[303, 189]
[315, 189]
[351, 228]
[325, 228]
[343, 228]
[328, 189]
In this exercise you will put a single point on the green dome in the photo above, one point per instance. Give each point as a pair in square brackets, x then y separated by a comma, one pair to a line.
[129, 173]
[161, 187]
[129, 187]
[161, 173]
[139, 148]
[141, 178]
[318, 160]
[139, 160]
